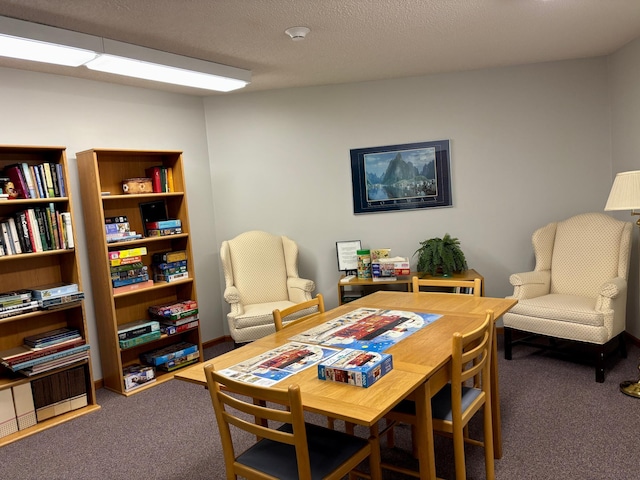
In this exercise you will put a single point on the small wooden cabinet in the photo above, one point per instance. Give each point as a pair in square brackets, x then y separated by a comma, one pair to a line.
[356, 288]
[28, 270]
[102, 173]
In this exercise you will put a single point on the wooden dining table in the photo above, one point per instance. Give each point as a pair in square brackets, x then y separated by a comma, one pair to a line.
[421, 366]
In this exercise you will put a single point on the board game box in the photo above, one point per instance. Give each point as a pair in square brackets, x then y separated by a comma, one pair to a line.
[355, 367]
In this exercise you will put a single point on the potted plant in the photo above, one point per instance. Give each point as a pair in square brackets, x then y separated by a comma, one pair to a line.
[441, 256]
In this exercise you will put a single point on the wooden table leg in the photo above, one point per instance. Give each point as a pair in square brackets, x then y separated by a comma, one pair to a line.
[375, 459]
[495, 399]
[424, 432]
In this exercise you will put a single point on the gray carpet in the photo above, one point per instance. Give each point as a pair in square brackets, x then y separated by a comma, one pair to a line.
[557, 423]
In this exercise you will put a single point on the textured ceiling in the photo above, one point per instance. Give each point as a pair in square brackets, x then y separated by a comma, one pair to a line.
[350, 41]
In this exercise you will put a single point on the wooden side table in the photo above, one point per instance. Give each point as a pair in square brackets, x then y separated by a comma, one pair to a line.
[357, 288]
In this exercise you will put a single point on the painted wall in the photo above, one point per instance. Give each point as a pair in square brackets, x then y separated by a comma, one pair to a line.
[529, 145]
[624, 74]
[39, 109]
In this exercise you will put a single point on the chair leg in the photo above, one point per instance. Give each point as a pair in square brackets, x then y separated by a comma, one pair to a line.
[507, 343]
[600, 354]
[488, 442]
[458, 452]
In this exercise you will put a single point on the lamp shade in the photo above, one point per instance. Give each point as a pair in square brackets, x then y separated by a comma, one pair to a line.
[625, 192]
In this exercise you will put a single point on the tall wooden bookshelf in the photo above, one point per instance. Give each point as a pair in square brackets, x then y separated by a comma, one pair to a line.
[102, 172]
[29, 270]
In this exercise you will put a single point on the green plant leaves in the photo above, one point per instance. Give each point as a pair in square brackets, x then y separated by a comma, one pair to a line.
[441, 256]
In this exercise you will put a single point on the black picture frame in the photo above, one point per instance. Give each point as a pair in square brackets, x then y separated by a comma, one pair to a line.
[153, 212]
[401, 177]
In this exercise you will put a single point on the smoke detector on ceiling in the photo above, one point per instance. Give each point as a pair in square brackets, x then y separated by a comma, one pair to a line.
[297, 33]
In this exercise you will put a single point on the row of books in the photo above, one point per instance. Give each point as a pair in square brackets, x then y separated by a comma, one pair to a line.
[46, 297]
[45, 180]
[127, 268]
[36, 229]
[163, 228]
[172, 357]
[24, 405]
[46, 351]
[161, 178]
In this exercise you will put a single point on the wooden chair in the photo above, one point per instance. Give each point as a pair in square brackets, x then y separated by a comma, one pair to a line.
[307, 309]
[287, 447]
[475, 284]
[458, 401]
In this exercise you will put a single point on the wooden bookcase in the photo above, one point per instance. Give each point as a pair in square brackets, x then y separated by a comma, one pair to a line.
[102, 171]
[27, 270]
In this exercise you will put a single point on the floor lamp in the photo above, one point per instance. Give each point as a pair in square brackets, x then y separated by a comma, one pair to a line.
[625, 195]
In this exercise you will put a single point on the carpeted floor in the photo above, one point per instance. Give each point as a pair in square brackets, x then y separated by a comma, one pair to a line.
[557, 423]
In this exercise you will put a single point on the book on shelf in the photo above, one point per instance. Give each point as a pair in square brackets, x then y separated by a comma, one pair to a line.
[46, 168]
[170, 329]
[60, 300]
[163, 355]
[29, 180]
[122, 282]
[177, 322]
[68, 229]
[168, 270]
[53, 290]
[136, 271]
[136, 328]
[172, 277]
[130, 252]
[60, 362]
[24, 353]
[132, 287]
[164, 232]
[163, 224]
[169, 256]
[179, 362]
[35, 173]
[16, 175]
[15, 297]
[126, 267]
[175, 310]
[6, 312]
[51, 336]
[137, 375]
[49, 358]
[140, 339]
[116, 262]
[171, 266]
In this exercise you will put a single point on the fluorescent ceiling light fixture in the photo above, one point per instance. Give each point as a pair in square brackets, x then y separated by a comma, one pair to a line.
[41, 43]
[134, 61]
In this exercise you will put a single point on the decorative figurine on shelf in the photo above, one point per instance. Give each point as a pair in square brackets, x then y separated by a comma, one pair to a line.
[10, 189]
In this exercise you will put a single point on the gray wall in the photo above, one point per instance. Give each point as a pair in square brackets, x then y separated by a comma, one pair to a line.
[529, 145]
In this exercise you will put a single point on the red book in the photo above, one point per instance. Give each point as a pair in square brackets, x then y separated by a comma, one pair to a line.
[154, 174]
[15, 174]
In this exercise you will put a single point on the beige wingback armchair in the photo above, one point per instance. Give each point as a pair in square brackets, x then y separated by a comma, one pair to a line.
[261, 274]
[578, 289]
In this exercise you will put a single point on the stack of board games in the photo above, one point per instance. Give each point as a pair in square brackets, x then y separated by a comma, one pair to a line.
[137, 375]
[16, 303]
[127, 268]
[162, 228]
[170, 266]
[118, 230]
[355, 367]
[46, 351]
[56, 295]
[172, 357]
[176, 317]
[138, 332]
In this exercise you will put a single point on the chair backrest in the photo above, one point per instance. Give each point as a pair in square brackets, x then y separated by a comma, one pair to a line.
[258, 264]
[471, 356]
[233, 401]
[475, 285]
[583, 252]
[298, 312]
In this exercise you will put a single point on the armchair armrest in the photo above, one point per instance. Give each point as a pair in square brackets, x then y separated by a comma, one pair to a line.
[530, 284]
[613, 287]
[232, 297]
[300, 289]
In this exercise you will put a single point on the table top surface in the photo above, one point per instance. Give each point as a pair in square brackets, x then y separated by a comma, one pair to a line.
[415, 358]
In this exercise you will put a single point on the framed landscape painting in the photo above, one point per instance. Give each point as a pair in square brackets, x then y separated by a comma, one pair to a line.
[400, 177]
